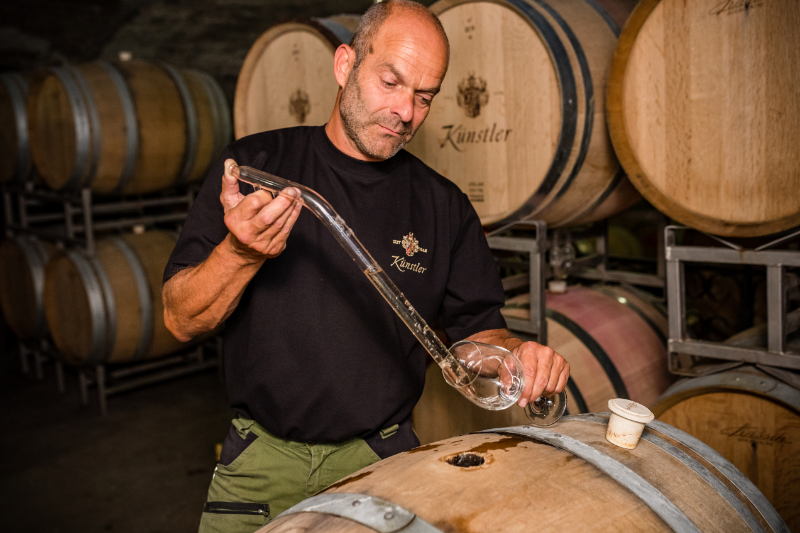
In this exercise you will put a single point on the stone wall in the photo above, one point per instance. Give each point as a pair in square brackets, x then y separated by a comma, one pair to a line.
[209, 35]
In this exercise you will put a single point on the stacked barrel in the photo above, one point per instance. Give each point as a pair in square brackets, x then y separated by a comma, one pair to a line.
[125, 128]
[519, 123]
[117, 129]
[287, 77]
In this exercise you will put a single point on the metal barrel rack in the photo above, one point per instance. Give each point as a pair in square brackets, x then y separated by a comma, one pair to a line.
[781, 321]
[73, 219]
[544, 254]
[535, 249]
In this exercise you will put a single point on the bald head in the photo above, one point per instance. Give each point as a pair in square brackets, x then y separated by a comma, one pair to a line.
[377, 14]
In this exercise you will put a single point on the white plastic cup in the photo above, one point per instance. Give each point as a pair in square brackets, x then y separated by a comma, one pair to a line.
[627, 422]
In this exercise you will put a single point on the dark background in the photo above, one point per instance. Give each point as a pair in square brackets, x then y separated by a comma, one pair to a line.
[146, 466]
[209, 35]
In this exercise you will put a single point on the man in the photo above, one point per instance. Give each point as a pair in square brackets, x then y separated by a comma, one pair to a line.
[320, 371]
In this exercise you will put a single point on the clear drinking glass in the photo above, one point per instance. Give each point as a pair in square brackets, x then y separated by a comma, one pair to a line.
[498, 374]
[546, 410]
[502, 381]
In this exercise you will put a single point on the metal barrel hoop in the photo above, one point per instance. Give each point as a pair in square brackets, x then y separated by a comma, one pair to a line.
[109, 304]
[131, 125]
[145, 298]
[17, 90]
[715, 459]
[190, 113]
[647, 493]
[369, 511]
[340, 32]
[82, 127]
[36, 262]
[94, 294]
[223, 129]
[695, 465]
[95, 133]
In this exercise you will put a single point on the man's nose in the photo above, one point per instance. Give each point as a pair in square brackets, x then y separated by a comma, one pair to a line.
[403, 107]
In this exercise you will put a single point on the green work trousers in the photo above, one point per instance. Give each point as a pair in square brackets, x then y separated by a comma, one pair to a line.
[272, 474]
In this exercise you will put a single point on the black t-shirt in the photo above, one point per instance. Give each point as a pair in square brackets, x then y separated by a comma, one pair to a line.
[312, 351]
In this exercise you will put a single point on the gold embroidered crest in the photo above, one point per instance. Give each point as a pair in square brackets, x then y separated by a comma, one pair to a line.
[410, 244]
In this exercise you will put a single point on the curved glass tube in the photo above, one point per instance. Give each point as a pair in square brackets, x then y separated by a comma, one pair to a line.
[487, 379]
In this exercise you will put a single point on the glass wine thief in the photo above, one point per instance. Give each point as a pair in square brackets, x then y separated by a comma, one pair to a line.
[489, 376]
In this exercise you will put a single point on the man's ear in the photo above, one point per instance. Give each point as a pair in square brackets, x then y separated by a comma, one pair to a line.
[343, 60]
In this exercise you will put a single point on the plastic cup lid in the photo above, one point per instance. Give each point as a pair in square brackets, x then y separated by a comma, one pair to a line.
[630, 410]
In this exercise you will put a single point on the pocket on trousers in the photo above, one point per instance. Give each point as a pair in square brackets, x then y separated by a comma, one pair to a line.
[234, 446]
[234, 517]
[261, 509]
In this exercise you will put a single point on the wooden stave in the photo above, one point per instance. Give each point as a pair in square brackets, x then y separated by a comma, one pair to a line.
[331, 31]
[17, 164]
[568, 98]
[585, 195]
[598, 372]
[632, 165]
[560, 196]
[755, 391]
[116, 303]
[420, 481]
[31, 323]
[126, 126]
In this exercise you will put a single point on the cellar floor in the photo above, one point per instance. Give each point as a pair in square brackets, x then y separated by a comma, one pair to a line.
[143, 468]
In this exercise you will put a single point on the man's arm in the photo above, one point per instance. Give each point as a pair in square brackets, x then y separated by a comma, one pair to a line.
[199, 298]
[545, 370]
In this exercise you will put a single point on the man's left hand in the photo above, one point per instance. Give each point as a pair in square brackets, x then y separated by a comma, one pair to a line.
[546, 372]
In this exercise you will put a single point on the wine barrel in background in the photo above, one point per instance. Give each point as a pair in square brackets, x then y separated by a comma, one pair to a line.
[613, 339]
[107, 308]
[15, 158]
[125, 128]
[563, 478]
[519, 123]
[23, 260]
[704, 115]
[753, 420]
[287, 77]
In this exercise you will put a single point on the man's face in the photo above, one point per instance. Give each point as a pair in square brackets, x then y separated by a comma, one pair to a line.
[386, 99]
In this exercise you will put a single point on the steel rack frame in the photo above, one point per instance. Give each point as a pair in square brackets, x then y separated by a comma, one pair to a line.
[111, 380]
[81, 215]
[72, 219]
[595, 266]
[535, 248]
[777, 353]
[40, 355]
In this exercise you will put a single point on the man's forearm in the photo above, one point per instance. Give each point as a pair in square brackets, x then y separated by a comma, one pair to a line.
[498, 337]
[198, 299]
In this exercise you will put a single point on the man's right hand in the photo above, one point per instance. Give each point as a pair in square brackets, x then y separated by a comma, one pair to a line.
[258, 223]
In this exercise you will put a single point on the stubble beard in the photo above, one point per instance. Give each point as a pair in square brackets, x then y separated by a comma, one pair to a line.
[356, 122]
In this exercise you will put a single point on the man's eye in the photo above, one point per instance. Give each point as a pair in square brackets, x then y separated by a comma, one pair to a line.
[388, 83]
[425, 101]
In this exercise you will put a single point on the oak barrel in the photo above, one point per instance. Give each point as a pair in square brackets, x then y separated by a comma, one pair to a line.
[519, 124]
[125, 128]
[753, 420]
[615, 344]
[566, 478]
[107, 308]
[15, 158]
[23, 260]
[287, 77]
[704, 115]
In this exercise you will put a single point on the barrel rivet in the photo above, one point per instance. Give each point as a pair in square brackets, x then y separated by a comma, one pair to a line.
[356, 503]
[388, 516]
